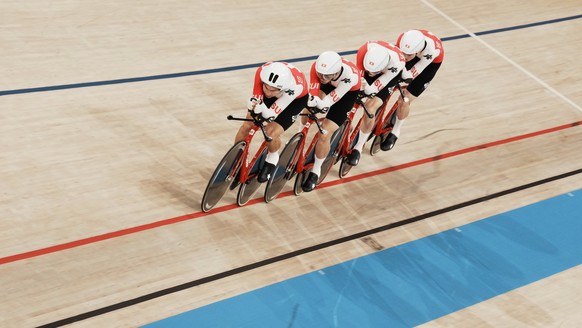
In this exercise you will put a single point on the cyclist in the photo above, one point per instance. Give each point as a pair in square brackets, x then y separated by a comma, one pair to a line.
[334, 86]
[380, 64]
[279, 95]
[423, 53]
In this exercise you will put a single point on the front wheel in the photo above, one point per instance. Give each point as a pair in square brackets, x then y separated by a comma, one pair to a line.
[375, 146]
[345, 168]
[334, 150]
[222, 176]
[387, 128]
[284, 170]
[298, 186]
[249, 188]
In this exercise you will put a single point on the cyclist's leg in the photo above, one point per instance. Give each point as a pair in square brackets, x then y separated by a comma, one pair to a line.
[322, 146]
[366, 128]
[367, 125]
[336, 116]
[274, 129]
[243, 130]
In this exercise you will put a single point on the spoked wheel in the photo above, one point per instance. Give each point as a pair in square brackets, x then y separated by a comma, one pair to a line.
[284, 170]
[298, 186]
[248, 189]
[222, 176]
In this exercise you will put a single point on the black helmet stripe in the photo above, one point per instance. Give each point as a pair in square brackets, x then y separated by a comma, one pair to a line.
[273, 77]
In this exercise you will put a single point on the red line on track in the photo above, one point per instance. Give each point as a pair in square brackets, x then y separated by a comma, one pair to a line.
[157, 224]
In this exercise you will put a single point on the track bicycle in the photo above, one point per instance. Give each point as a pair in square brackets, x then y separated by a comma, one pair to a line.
[236, 168]
[349, 137]
[295, 161]
[385, 122]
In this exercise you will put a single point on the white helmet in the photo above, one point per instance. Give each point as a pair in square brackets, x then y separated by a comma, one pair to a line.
[328, 63]
[376, 59]
[277, 75]
[412, 42]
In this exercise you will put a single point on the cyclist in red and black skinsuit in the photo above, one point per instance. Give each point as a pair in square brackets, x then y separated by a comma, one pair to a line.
[424, 53]
[280, 93]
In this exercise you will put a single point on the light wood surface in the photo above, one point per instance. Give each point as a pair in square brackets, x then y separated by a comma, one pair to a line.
[83, 162]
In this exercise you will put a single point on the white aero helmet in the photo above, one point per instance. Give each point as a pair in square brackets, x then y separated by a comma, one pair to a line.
[277, 75]
[328, 63]
[412, 42]
[376, 59]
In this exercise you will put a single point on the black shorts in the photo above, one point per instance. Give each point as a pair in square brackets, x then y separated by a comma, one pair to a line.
[422, 81]
[289, 115]
[338, 112]
[383, 94]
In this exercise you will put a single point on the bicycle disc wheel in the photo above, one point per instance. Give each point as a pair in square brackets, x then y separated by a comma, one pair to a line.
[345, 168]
[375, 146]
[284, 170]
[332, 157]
[249, 188]
[298, 186]
[219, 181]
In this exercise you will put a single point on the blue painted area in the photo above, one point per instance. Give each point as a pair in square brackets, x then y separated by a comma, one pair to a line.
[415, 282]
[239, 67]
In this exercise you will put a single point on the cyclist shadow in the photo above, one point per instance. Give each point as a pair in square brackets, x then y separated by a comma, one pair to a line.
[178, 187]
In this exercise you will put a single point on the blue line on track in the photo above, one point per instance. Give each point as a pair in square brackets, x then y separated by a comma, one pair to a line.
[247, 66]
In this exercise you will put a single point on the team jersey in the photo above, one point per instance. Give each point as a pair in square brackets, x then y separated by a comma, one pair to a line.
[348, 80]
[297, 90]
[395, 65]
[432, 53]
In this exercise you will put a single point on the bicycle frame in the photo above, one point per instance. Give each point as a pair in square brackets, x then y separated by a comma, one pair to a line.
[381, 127]
[302, 155]
[350, 133]
[235, 168]
[243, 164]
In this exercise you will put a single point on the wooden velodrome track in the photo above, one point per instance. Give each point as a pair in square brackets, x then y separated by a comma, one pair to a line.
[101, 183]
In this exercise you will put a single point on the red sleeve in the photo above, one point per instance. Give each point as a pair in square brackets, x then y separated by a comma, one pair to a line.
[437, 44]
[258, 86]
[360, 58]
[299, 80]
[384, 44]
[398, 40]
[314, 83]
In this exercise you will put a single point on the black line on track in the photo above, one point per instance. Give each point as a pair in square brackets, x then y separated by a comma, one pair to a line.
[303, 251]
[240, 67]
